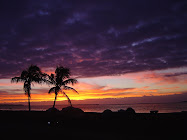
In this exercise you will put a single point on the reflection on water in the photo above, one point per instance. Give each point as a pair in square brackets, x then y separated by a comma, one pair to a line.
[139, 108]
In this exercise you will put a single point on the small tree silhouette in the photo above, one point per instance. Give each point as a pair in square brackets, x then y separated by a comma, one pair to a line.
[28, 76]
[60, 80]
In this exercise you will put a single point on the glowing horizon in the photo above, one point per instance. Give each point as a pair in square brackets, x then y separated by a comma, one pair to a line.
[150, 83]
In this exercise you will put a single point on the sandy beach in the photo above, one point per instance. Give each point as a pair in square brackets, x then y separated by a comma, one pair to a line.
[90, 125]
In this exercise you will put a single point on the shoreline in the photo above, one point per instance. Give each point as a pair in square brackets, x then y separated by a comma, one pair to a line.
[139, 108]
[40, 110]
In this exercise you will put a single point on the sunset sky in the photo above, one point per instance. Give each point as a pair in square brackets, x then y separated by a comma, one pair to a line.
[119, 50]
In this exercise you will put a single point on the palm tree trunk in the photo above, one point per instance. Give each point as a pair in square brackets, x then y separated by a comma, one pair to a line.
[29, 103]
[29, 95]
[70, 103]
[55, 100]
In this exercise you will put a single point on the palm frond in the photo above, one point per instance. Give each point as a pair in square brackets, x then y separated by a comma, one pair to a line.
[24, 74]
[62, 73]
[52, 79]
[48, 79]
[52, 90]
[33, 69]
[34, 74]
[70, 81]
[36, 79]
[70, 88]
[17, 79]
[52, 76]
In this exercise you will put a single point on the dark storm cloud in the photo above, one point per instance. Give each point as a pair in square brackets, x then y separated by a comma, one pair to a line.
[93, 38]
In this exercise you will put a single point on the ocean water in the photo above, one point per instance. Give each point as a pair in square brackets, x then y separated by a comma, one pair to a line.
[139, 108]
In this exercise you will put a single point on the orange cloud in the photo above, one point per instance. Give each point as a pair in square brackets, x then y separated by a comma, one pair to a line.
[156, 78]
[90, 91]
[86, 91]
[84, 94]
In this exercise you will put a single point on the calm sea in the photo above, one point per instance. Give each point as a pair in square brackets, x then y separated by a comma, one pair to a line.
[139, 108]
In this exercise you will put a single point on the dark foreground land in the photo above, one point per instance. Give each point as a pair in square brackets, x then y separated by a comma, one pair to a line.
[96, 126]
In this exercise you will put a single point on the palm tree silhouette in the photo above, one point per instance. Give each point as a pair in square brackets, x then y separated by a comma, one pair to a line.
[60, 81]
[28, 76]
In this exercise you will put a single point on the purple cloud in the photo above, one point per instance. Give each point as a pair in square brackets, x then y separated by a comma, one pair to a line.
[93, 38]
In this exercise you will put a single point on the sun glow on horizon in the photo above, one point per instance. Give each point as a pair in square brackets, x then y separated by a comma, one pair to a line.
[128, 85]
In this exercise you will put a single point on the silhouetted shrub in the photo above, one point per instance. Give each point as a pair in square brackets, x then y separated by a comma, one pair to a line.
[130, 110]
[107, 111]
[121, 111]
[52, 110]
[107, 114]
[72, 112]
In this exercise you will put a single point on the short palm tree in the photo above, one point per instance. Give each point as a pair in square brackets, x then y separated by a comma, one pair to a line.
[28, 76]
[60, 80]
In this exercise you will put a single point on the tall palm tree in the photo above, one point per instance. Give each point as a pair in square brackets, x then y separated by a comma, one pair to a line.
[60, 80]
[28, 76]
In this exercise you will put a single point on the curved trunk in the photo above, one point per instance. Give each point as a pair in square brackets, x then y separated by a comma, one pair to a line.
[70, 103]
[68, 99]
[55, 100]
